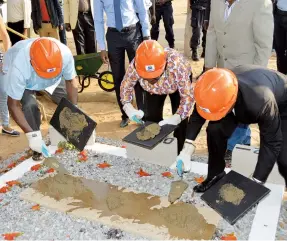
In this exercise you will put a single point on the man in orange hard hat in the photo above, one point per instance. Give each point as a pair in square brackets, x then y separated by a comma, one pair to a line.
[249, 94]
[33, 65]
[160, 72]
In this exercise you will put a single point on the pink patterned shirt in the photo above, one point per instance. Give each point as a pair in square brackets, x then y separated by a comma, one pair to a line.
[176, 77]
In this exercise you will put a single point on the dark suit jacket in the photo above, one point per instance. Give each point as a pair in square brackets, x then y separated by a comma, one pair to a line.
[54, 10]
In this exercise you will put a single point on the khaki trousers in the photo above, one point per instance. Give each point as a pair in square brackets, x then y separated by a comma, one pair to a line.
[48, 31]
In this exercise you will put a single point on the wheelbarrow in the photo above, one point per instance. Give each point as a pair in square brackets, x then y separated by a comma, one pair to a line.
[87, 66]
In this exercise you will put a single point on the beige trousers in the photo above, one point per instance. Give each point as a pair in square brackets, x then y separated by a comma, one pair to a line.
[48, 31]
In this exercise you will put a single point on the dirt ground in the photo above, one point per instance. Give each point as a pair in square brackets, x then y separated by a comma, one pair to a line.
[102, 106]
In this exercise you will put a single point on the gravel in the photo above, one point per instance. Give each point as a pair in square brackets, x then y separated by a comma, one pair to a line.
[16, 215]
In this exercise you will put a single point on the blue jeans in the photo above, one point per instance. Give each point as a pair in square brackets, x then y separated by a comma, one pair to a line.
[241, 135]
[4, 113]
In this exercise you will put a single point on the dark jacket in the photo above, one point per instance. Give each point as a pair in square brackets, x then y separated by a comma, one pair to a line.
[262, 100]
[54, 10]
[199, 4]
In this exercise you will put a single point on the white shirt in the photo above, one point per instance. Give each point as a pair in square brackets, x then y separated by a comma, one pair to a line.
[228, 9]
[19, 10]
[282, 5]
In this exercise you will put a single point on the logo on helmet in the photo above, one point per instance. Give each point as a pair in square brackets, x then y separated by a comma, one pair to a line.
[51, 70]
[149, 68]
[206, 110]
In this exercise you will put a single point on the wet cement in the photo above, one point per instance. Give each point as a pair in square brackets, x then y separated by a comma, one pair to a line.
[148, 132]
[230, 193]
[176, 190]
[182, 220]
[52, 162]
[72, 123]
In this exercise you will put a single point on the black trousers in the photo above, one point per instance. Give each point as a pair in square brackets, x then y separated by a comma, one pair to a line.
[217, 135]
[280, 40]
[165, 12]
[153, 108]
[84, 34]
[31, 109]
[197, 20]
[19, 27]
[118, 44]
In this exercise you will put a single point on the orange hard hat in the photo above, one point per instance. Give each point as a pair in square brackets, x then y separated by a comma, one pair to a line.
[150, 59]
[46, 58]
[215, 93]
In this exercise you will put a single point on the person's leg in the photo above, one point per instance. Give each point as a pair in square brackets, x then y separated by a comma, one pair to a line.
[239, 136]
[89, 30]
[44, 30]
[282, 160]
[196, 29]
[79, 37]
[153, 107]
[217, 135]
[280, 42]
[154, 33]
[59, 93]
[133, 40]
[168, 23]
[180, 131]
[62, 35]
[19, 27]
[116, 51]
[31, 110]
[204, 33]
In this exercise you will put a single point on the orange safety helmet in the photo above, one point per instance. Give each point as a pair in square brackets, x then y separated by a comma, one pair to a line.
[215, 93]
[46, 58]
[150, 59]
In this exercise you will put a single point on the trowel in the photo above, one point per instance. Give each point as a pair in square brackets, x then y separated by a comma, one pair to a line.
[52, 162]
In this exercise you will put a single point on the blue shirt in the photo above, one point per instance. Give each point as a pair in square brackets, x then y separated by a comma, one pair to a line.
[129, 9]
[20, 75]
[282, 5]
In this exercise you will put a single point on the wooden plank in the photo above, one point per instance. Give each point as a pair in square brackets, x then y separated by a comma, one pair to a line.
[138, 213]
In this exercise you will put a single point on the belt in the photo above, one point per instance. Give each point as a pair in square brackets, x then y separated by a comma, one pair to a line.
[125, 29]
[280, 12]
[46, 21]
[83, 13]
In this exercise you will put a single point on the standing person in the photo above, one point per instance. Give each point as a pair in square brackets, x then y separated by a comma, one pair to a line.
[33, 65]
[78, 16]
[280, 34]
[18, 18]
[234, 40]
[199, 23]
[4, 113]
[125, 32]
[47, 18]
[62, 31]
[160, 72]
[247, 94]
[164, 10]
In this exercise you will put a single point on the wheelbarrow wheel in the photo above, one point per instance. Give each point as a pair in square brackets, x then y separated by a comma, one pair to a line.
[106, 81]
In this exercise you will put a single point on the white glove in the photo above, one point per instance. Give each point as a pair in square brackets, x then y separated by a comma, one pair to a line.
[173, 120]
[35, 141]
[134, 114]
[185, 156]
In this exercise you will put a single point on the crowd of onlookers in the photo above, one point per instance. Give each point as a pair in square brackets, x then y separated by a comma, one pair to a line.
[235, 32]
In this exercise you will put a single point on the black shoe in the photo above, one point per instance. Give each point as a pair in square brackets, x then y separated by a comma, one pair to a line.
[171, 46]
[124, 123]
[203, 54]
[195, 55]
[208, 183]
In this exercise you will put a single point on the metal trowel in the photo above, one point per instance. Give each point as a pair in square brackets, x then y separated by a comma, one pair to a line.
[52, 162]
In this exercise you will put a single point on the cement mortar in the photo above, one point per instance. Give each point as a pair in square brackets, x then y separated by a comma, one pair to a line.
[50, 225]
[148, 132]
